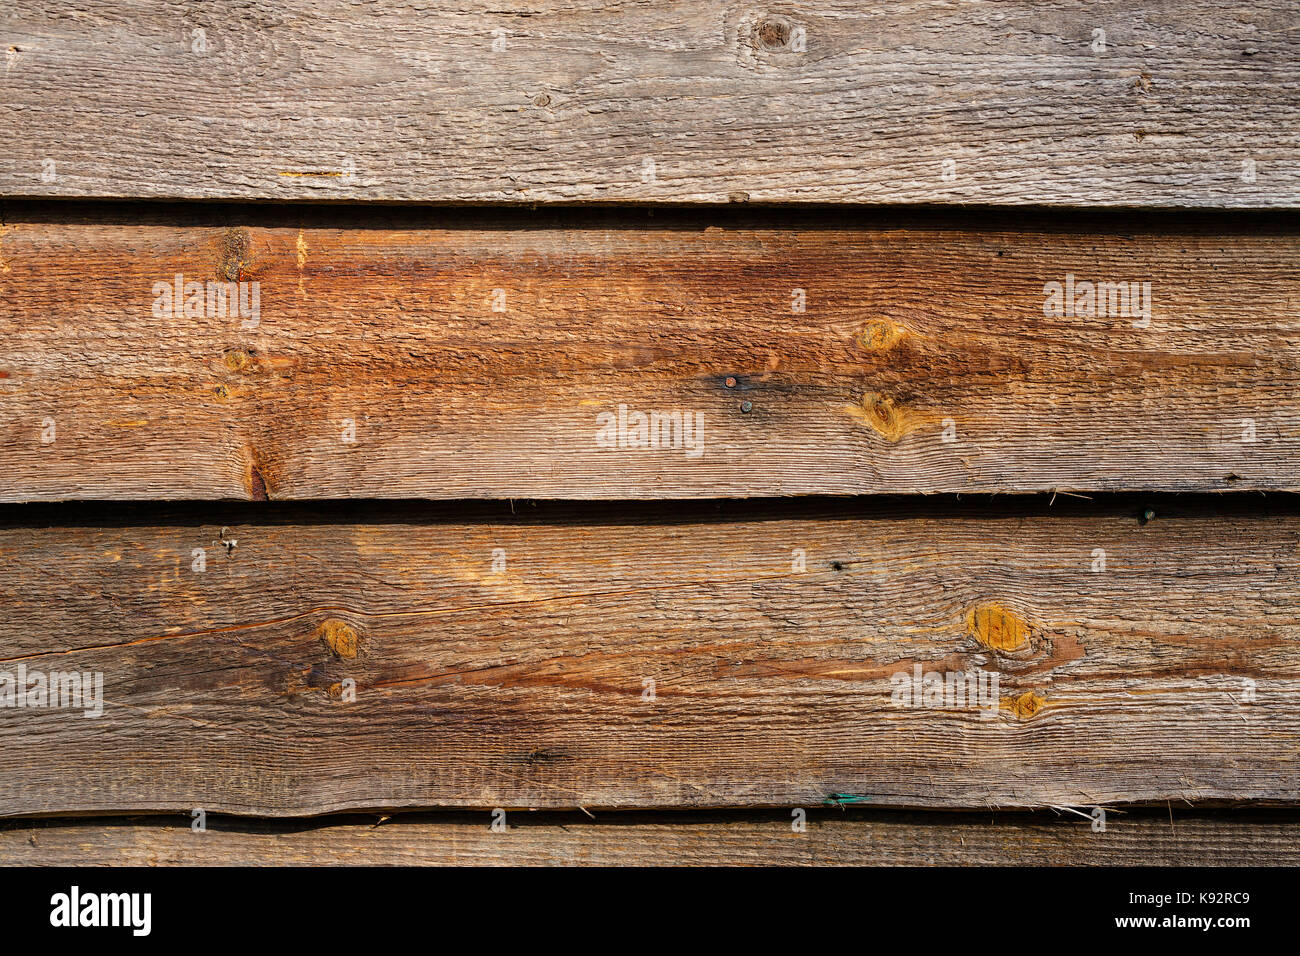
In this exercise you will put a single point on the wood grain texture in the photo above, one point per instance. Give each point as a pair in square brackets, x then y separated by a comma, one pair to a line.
[525, 687]
[915, 330]
[741, 839]
[568, 100]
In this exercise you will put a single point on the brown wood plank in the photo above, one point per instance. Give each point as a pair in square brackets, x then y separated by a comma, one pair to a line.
[1113, 102]
[830, 839]
[773, 643]
[914, 332]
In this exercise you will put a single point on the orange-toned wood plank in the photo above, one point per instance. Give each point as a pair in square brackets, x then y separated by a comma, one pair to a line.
[421, 354]
[624, 656]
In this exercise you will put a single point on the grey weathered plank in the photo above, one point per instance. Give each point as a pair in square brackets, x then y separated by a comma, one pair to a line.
[914, 331]
[1171, 674]
[831, 838]
[823, 100]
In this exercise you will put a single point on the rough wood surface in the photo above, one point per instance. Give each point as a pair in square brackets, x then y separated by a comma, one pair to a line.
[741, 839]
[914, 332]
[1170, 673]
[1113, 102]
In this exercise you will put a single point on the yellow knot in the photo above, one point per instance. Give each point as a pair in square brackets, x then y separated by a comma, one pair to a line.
[881, 335]
[1025, 706]
[997, 627]
[340, 638]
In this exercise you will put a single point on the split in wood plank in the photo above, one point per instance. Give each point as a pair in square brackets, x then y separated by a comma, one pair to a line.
[828, 838]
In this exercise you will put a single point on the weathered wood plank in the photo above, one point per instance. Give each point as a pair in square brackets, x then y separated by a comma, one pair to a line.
[911, 335]
[1171, 672]
[746, 839]
[1113, 102]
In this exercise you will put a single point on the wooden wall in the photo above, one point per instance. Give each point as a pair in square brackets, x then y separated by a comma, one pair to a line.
[375, 566]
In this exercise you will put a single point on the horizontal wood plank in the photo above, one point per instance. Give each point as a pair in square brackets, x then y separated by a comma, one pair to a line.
[830, 839]
[401, 354]
[1066, 102]
[627, 657]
